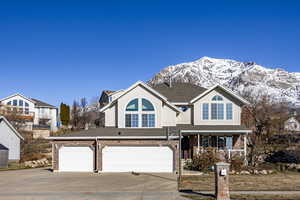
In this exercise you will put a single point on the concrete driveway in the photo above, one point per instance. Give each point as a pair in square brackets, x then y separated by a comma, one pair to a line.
[43, 185]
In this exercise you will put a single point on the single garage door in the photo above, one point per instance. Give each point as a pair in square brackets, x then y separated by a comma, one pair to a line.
[76, 159]
[137, 159]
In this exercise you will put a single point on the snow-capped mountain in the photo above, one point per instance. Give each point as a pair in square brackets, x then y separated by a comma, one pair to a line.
[238, 76]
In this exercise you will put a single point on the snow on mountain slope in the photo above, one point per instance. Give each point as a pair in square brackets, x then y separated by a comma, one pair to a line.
[238, 76]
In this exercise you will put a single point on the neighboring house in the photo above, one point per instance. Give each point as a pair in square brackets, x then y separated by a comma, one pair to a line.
[35, 113]
[142, 126]
[292, 124]
[10, 138]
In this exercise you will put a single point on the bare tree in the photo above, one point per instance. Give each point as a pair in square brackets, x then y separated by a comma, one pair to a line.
[75, 115]
[266, 118]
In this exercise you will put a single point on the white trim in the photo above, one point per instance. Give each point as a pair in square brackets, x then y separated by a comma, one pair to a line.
[216, 131]
[148, 88]
[112, 137]
[181, 103]
[18, 94]
[222, 87]
[12, 128]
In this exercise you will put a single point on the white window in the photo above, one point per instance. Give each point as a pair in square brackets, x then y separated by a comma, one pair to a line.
[131, 120]
[140, 113]
[205, 112]
[217, 109]
[229, 111]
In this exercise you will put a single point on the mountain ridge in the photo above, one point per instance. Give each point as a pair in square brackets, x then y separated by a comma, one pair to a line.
[241, 77]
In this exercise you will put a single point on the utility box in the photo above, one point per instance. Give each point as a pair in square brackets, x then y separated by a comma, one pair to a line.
[3, 156]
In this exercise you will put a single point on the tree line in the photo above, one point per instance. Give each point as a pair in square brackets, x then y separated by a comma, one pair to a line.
[80, 115]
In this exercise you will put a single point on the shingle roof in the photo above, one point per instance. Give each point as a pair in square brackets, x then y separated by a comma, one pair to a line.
[179, 92]
[40, 103]
[211, 128]
[153, 132]
[108, 91]
[117, 132]
[2, 147]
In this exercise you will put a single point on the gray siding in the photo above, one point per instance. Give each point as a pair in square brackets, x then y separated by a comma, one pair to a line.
[9, 139]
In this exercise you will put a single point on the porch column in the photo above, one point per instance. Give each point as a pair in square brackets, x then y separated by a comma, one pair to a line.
[245, 149]
[198, 143]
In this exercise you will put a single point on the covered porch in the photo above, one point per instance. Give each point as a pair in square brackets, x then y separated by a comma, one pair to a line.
[228, 141]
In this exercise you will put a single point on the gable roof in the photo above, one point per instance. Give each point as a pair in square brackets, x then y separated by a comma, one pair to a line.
[3, 119]
[179, 92]
[238, 97]
[39, 103]
[164, 99]
[108, 92]
[17, 94]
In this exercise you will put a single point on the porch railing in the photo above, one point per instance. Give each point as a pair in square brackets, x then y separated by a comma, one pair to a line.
[241, 152]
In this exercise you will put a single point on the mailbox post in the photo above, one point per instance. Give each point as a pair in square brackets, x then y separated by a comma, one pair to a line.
[222, 181]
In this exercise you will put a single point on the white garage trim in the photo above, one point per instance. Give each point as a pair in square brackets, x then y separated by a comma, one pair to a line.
[75, 159]
[137, 159]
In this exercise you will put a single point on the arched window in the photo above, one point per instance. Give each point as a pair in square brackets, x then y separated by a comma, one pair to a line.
[147, 105]
[140, 113]
[217, 109]
[217, 98]
[132, 105]
[9, 103]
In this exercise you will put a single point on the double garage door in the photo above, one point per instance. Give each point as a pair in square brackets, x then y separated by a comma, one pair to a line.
[118, 159]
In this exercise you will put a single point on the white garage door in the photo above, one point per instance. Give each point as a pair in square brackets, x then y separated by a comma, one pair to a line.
[137, 159]
[76, 159]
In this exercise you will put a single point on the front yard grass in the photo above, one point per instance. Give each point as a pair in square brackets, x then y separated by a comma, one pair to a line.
[288, 181]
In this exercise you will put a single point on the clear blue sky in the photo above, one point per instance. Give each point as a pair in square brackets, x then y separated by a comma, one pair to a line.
[63, 50]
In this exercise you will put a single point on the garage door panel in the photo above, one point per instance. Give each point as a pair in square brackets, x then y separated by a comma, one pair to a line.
[138, 159]
[76, 159]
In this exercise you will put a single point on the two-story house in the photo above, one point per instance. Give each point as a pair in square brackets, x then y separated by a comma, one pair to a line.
[32, 113]
[141, 129]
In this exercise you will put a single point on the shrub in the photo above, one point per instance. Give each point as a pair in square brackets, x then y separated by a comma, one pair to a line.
[205, 160]
[236, 163]
[34, 149]
[285, 156]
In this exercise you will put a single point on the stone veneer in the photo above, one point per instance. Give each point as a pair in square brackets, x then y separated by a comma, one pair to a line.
[173, 144]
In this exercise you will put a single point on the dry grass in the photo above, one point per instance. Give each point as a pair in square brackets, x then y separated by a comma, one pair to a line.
[14, 166]
[289, 181]
[247, 197]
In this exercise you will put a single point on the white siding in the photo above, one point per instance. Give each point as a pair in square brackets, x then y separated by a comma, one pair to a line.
[185, 117]
[168, 116]
[236, 111]
[9, 139]
[164, 115]
[110, 116]
[139, 92]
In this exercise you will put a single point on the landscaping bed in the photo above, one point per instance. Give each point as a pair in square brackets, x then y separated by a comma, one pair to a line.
[286, 181]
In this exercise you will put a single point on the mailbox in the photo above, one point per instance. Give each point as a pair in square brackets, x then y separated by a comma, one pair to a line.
[223, 172]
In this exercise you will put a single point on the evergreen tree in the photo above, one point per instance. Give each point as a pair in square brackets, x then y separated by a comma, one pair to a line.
[64, 114]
